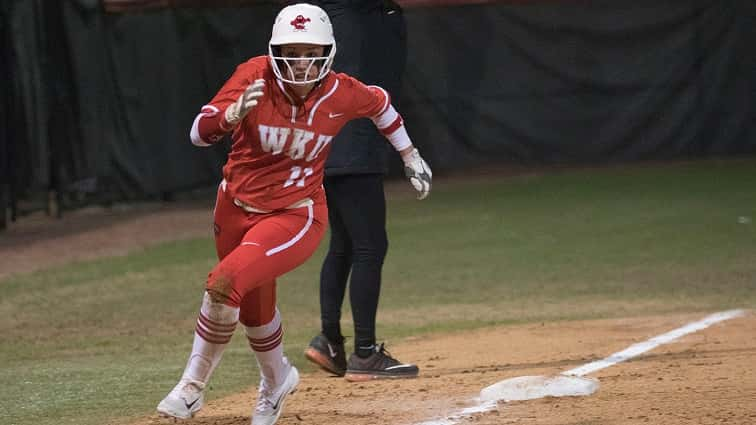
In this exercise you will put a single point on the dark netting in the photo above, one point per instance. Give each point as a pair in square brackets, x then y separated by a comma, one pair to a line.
[97, 106]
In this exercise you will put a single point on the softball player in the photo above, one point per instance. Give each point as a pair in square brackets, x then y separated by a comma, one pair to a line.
[282, 111]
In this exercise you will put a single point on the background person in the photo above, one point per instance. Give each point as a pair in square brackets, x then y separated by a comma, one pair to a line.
[372, 46]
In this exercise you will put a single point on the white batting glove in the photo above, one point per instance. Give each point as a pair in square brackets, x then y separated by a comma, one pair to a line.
[237, 110]
[418, 172]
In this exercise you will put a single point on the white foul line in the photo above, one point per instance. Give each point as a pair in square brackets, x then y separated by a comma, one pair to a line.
[642, 347]
[621, 356]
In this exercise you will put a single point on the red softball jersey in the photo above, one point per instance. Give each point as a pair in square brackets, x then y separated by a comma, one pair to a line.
[280, 148]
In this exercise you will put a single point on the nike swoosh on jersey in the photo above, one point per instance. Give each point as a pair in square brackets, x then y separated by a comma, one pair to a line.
[332, 115]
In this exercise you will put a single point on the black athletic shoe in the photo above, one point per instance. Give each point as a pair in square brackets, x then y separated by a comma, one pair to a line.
[328, 355]
[379, 365]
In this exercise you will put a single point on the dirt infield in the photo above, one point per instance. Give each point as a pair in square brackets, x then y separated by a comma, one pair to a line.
[708, 377]
[704, 378]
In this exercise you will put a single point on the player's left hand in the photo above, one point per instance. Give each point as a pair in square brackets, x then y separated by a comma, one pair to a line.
[418, 172]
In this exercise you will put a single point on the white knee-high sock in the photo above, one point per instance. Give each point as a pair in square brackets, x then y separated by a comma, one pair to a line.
[215, 327]
[267, 343]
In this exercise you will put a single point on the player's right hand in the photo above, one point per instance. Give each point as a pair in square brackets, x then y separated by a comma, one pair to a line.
[237, 110]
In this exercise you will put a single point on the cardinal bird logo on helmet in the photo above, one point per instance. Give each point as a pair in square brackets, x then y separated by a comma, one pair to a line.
[299, 22]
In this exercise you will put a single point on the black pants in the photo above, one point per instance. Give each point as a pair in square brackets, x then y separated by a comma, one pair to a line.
[357, 215]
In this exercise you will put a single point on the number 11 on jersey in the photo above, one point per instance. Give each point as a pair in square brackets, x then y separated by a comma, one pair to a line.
[296, 173]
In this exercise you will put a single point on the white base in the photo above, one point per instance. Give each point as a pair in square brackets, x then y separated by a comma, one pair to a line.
[532, 387]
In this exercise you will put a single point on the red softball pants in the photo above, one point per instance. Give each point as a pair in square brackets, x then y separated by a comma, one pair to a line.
[254, 249]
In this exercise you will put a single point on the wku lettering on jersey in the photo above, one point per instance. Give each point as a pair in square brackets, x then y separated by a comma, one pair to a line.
[279, 149]
[274, 140]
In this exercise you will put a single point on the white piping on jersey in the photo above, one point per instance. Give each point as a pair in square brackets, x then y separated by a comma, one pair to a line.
[315, 108]
[293, 107]
[296, 238]
[194, 133]
[386, 103]
[283, 90]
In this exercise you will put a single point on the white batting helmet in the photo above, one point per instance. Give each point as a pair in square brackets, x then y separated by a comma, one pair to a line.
[306, 24]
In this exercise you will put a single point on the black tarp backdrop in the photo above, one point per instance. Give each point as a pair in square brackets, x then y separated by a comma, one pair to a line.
[107, 100]
[5, 107]
[99, 105]
[583, 82]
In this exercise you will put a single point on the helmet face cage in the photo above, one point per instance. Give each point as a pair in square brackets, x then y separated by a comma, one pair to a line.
[283, 67]
[301, 23]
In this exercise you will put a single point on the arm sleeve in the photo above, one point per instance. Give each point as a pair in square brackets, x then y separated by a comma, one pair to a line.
[210, 124]
[391, 125]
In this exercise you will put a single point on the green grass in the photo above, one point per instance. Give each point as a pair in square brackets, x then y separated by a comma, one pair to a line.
[101, 341]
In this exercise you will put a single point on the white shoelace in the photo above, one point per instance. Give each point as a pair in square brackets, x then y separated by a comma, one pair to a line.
[189, 390]
[264, 404]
